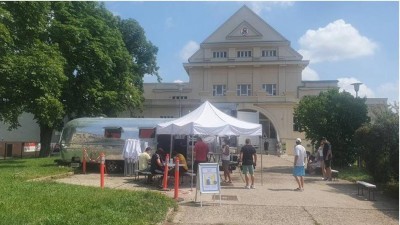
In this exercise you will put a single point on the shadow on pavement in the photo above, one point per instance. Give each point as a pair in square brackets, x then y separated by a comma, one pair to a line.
[386, 205]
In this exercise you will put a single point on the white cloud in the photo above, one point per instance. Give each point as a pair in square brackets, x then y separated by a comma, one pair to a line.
[169, 23]
[345, 85]
[337, 41]
[259, 6]
[178, 81]
[188, 50]
[389, 90]
[309, 74]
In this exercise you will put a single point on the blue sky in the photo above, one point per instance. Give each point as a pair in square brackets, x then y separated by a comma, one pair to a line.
[346, 41]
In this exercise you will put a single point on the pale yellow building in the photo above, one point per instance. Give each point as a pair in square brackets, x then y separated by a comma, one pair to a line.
[245, 68]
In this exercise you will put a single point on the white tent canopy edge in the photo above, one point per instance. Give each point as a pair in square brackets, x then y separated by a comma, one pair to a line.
[208, 120]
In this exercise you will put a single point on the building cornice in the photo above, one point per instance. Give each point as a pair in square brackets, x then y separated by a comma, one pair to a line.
[302, 63]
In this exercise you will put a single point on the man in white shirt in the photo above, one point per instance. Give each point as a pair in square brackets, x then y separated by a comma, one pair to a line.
[144, 159]
[300, 157]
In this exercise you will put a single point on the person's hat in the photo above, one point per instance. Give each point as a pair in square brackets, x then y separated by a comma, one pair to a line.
[298, 140]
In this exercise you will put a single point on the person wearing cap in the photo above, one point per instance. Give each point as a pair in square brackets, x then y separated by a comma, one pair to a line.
[300, 157]
[144, 159]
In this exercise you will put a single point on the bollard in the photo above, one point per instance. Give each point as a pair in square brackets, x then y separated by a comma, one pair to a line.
[176, 178]
[165, 178]
[102, 162]
[84, 161]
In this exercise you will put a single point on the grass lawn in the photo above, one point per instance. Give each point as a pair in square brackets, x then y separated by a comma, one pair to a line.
[47, 202]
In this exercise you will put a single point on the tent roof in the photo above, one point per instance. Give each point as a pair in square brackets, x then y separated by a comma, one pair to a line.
[208, 120]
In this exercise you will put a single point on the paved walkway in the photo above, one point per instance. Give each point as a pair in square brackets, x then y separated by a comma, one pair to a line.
[272, 202]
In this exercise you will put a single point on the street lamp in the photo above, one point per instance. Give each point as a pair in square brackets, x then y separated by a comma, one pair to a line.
[356, 87]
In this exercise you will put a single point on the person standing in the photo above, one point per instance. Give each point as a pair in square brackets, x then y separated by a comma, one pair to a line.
[144, 159]
[300, 157]
[327, 154]
[200, 153]
[321, 159]
[248, 159]
[279, 148]
[226, 160]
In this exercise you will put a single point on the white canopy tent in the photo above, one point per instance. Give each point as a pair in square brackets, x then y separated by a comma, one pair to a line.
[208, 120]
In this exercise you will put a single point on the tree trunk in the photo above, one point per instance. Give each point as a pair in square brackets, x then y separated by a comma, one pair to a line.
[46, 133]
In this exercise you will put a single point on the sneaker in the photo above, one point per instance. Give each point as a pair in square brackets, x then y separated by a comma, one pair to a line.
[252, 187]
[247, 187]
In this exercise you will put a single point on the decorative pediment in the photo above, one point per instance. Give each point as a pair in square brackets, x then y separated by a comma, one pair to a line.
[243, 26]
[244, 31]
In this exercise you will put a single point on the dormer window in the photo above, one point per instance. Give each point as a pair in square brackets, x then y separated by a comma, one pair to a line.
[244, 54]
[268, 53]
[219, 54]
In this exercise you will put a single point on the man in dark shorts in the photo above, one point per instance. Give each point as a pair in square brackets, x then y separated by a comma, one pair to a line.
[248, 159]
[327, 155]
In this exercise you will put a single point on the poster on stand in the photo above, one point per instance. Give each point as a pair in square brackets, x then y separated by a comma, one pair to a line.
[208, 175]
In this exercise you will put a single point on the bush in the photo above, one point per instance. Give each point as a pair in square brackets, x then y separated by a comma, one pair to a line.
[379, 147]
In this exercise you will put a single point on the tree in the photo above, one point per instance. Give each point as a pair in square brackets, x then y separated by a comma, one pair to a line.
[336, 116]
[31, 69]
[378, 143]
[68, 59]
[100, 71]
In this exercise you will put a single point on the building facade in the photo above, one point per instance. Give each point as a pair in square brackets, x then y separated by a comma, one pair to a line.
[246, 69]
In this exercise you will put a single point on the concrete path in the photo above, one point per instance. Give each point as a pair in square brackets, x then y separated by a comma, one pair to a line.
[272, 202]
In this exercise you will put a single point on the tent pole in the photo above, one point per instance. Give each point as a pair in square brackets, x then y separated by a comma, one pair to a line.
[170, 148]
[261, 154]
[191, 182]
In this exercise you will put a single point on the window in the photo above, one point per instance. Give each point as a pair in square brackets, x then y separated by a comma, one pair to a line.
[244, 90]
[112, 132]
[219, 90]
[221, 54]
[268, 53]
[243, 54]
[147, 132]
[179, 97]
[296, 126]
[269, 88]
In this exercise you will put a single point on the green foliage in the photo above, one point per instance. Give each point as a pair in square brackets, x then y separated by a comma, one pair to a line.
[71, 59]
[354, 174]
[142, 51]
[46, 202]
[378, 144]
[336, 116]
